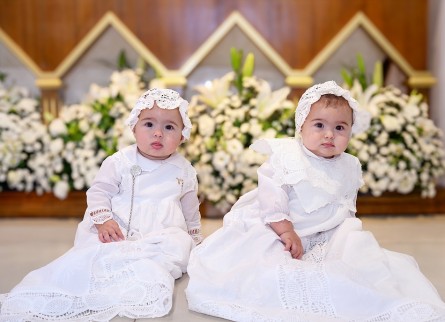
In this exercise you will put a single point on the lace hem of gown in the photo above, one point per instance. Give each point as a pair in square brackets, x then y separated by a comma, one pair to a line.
[412, 311]
[96, 283]
[139, 300]
[297, 282]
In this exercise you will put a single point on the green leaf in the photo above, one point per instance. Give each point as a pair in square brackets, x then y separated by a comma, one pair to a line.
[361, 64]
[347, 78]
[122, 61]
[249, 65]
[377, 75]
[235, 57]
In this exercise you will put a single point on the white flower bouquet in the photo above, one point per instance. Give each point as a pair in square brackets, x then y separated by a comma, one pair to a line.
[228, 114]
[85, 134]
[402, 151]
[23, 141]
[67, 153]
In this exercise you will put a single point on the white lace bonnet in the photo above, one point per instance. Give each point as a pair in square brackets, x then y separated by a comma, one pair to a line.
[360, 117]
[166, 99]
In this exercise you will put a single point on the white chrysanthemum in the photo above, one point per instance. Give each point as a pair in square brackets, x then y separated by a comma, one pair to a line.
[61, 189]
[234, 147]
[407, 142]
[56, 146]
[206, 125]
[26, 105]
[220, 160]
[255, 128]
[391, 123]
[57, 127]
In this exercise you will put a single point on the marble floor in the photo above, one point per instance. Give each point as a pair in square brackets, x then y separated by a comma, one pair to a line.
[26, 244]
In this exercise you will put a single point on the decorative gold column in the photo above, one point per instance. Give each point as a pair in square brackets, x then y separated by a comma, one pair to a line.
[50, 99]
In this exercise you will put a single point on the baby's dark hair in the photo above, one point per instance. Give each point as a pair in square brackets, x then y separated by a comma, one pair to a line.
[333, 100]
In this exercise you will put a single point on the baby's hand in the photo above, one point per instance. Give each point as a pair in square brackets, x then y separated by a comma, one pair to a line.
[109, 231]
[292, 243]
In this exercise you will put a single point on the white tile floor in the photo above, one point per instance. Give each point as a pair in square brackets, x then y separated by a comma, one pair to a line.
[26, 244]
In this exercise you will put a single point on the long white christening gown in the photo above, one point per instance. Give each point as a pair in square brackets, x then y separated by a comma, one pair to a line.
[242, 273]
[96, 281]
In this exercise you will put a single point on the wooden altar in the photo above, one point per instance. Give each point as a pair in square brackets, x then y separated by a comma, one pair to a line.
[22, 204]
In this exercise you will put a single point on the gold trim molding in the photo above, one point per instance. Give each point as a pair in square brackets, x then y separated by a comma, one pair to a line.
[19, 53]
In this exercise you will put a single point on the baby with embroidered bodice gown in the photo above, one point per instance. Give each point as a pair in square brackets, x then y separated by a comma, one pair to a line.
[293, 250]
[135, 239]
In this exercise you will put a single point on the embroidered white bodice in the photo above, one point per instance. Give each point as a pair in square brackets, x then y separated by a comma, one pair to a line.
[164, 195]
[314, 193]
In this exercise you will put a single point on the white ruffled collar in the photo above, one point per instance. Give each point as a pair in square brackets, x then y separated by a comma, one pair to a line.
[317, 181]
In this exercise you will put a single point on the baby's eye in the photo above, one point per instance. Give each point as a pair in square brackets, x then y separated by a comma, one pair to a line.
[319, 125]
[339, 127]
[148, 124]
[169, 127]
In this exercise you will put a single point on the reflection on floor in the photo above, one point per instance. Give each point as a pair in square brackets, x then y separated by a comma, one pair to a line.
[26, 244]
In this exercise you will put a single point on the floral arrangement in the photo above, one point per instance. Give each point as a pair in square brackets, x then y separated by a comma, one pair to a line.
[85, 134]
[402, 151]
[23, 137]
[67, 154]
[228, 114]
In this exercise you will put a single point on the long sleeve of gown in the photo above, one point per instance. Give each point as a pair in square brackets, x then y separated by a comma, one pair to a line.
[272, 197]
[190, 209]
[104, 187]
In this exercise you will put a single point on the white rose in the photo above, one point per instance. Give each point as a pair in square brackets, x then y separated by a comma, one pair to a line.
[372, 149]
[78, 184]
[27, 105]
[206, 125]
[410, 111]
[234, 147]
[28, 137]
[255, 128]
[61, 189]
[220, 160]
[244, 128]
[14, 177]
[57, 127]
[229, 130]
[84, 126]
[363, 155]
[391, 123]
[407, 182]
[382, 139]
[56, 146]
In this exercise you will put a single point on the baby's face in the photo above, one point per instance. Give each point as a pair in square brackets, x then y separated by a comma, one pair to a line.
[158, 132]
[327, 129]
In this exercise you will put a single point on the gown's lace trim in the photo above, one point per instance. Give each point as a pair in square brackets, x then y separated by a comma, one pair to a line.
[99, 216]
[239, 312]
[196, 235]
[114, 290]
[303, 283]
[140, 300]
[413, 311]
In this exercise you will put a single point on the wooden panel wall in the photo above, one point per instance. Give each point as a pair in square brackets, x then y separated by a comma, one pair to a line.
[47, 30]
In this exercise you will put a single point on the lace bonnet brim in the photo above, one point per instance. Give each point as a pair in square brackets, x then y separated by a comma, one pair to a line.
[360, 117]
[165, 99]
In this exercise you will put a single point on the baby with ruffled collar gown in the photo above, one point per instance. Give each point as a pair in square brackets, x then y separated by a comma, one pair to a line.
[292, 249]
